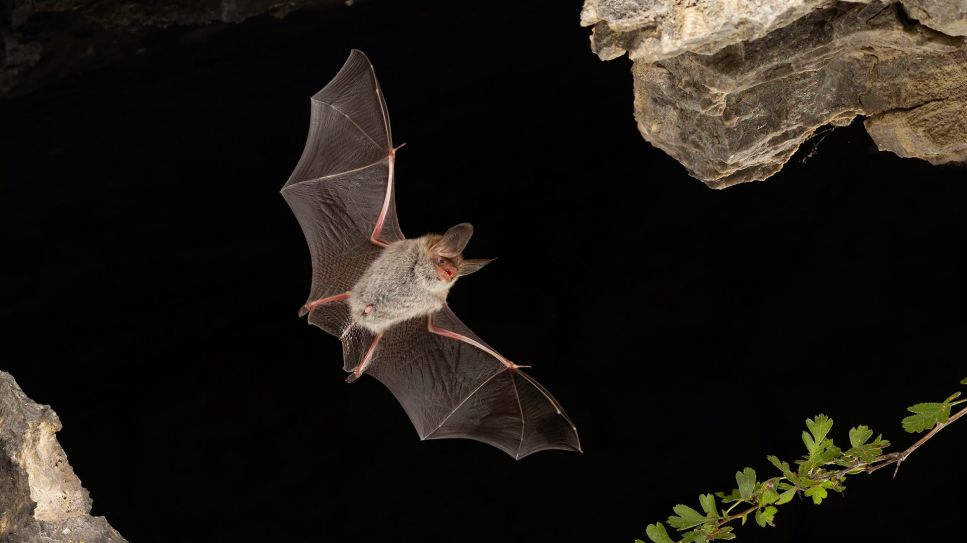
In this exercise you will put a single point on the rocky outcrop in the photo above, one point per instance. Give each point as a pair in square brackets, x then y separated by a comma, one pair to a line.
[732, 88]
[41, 500]
[42, 41]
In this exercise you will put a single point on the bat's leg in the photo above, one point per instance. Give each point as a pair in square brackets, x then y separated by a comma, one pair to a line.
[434, 329]
[309, 307]
[367, 359]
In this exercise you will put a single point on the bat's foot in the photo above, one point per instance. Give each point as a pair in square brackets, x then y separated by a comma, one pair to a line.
[306, 309]
[364, 363]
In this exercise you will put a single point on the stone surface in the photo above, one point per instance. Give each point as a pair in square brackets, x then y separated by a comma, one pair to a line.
[44, 40]
[732, 88]
[41, 500]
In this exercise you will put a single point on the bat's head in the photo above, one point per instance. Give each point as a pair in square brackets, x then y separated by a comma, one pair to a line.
[445, 255]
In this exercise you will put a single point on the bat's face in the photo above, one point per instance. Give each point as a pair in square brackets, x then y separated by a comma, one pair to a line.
[447, 269]
[444, 262]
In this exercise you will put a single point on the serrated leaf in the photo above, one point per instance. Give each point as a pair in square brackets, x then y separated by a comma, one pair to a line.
[746, 482]
[828, 453]
[819, 427]
[859, 435]
[865, 453]
[695, 536]
[926, 416]
[810, 443]
[768, 496]
[786, 496]
[732, 496]
[817, 493]
[868, 452]
[685, 517]
[783, 466]
[765, 516]
[724, 533]
[708, 504]
[657, 534]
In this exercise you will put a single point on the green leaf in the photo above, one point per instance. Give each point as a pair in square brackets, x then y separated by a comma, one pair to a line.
[732, 496]
[685, 517]
[817, 493]
[786, 496]
[695, 536]
[963, 381]
[859, 435]
[827, 453]
[811, 444]
[783, 466]
[864, 453]
[819, 427]
[868, 452]
[765, 516]
[926, 416]
[746, 481]
[708, 504]
[657, 534]
[725, 532]
[768, 496]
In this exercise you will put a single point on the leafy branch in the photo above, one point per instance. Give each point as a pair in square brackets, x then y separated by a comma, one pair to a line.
[822, 469]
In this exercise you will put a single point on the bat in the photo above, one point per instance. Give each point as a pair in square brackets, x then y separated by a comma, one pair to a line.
[384, 295]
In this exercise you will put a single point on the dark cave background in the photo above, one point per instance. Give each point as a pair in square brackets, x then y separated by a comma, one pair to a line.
[152, 274]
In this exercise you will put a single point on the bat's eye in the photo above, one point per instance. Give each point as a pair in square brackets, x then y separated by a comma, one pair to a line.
[440, 260]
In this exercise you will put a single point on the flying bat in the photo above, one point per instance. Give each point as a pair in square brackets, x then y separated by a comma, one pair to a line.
[384, 295]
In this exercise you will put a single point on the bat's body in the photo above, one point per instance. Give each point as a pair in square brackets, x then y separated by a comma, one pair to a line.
[396, 288]
[384, 296]
[399, 285]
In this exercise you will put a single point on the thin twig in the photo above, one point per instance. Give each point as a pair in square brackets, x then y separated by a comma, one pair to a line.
[903, 455]
[869, 467]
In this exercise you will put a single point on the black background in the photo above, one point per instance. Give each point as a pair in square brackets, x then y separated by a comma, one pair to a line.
[152, 272]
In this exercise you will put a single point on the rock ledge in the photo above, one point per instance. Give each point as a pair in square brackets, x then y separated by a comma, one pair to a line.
[731, 88]
[41, 500]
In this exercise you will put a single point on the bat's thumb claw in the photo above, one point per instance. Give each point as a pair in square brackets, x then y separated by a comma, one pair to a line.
[352, 377]
[303, 311]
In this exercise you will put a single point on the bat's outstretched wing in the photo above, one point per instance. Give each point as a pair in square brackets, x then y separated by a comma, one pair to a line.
[452, 384]
[342, 188]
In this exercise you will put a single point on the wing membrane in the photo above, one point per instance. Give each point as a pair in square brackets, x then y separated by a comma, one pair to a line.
[341, 191]
[452, 388]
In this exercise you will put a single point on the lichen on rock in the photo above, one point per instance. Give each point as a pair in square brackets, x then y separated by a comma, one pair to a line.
[732, 88]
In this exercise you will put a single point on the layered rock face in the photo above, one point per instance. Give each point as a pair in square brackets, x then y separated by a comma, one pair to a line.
[731, 88]
[41, 500]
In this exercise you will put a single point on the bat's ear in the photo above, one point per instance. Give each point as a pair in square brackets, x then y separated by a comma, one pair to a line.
[455, 239]
[471, 265]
